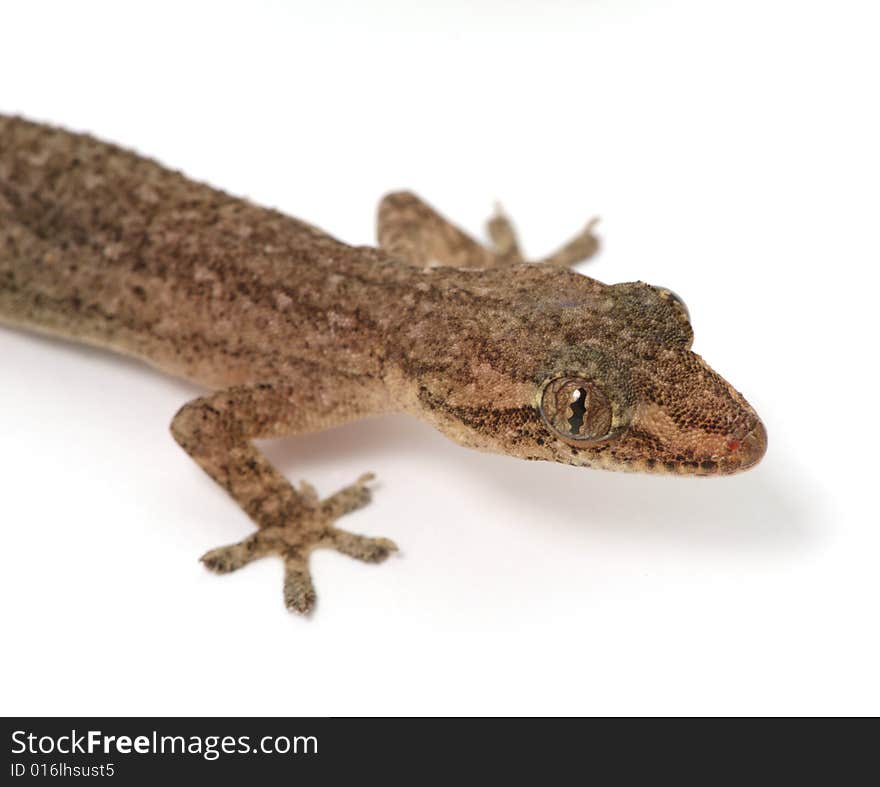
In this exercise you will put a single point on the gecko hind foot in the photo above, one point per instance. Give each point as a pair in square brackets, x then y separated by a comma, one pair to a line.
[311, 529]
[503, 235]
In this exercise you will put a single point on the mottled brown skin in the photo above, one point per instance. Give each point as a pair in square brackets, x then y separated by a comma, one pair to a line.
[297, 332]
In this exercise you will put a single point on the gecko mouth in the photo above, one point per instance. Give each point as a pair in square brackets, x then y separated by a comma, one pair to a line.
[740, 454]
[657, 443]
[736, 453]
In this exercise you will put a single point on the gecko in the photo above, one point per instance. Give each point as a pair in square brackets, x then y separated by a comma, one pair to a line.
[293, 331]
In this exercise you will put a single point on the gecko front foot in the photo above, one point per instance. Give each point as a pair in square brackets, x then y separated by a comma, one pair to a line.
[312, 527]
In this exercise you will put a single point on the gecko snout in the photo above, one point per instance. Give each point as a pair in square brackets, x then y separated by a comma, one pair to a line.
[749, 450]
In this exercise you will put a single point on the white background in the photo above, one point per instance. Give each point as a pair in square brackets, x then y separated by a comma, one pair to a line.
[732, 152]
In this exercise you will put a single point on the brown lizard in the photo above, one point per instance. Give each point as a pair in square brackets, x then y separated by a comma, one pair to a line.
[297, 332]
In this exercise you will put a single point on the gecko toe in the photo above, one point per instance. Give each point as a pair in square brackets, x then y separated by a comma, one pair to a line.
[229, 558]
[217, 561]
[369, 550]
[224, 560]
[299, 592]
[348, 499]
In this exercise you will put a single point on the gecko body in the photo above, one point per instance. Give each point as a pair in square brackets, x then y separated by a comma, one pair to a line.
[295, 331]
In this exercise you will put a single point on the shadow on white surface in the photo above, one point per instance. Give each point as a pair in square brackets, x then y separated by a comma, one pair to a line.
[761, 510]
[770, 508]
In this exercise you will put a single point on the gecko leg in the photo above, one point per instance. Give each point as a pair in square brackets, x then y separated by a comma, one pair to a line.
[217, 430]
[412, 230]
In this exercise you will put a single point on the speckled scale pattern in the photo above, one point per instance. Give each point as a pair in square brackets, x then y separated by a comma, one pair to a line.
[296, 331]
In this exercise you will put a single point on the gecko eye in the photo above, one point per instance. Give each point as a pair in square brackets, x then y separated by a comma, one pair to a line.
[676, 301]
[576, 409]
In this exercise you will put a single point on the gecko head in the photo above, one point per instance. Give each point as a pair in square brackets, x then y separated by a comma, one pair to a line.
[597, 376]
[668, 413]
[647, 403]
